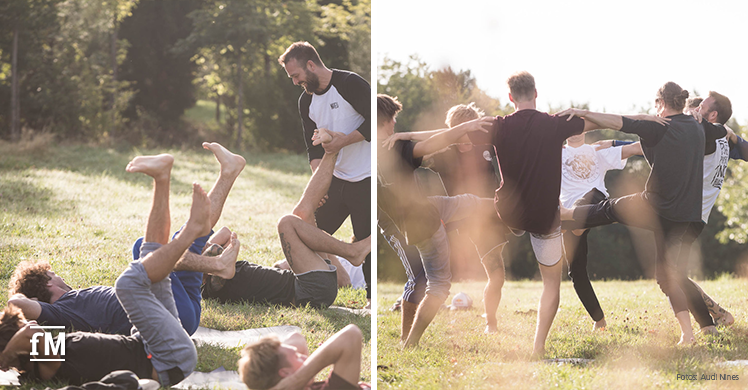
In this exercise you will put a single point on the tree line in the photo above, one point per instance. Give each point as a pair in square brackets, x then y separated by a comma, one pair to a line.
[615, 251]
[126, 70]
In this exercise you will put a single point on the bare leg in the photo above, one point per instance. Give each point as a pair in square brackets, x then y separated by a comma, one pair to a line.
[494, 266]
[316, 189]
[222, 265]
[221, 237]
[426, 312]
[720, 315]
[159, 219]
[231, 166]
[408, 315]
[548, 305]
[686, 335]
[299, 240]
[160, 263]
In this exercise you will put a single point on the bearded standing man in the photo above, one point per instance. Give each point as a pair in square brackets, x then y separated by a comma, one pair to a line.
[340, 102]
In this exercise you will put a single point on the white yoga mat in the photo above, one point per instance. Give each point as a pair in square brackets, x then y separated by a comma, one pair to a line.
[239, 338]
[216, 379]
[9, 378]
[359, 312]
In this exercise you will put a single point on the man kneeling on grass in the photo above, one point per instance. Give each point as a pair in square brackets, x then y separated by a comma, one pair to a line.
[159, 347]
[312, 279]
[272, 364]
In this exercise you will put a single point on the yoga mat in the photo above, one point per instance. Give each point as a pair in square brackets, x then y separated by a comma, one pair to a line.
[239, 338]
[9, 378]
[360, 312]
[216, 379]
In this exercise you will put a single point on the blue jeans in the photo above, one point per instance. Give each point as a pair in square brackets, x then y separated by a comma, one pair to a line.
[435, 250]
[185, 285]
[151, 309]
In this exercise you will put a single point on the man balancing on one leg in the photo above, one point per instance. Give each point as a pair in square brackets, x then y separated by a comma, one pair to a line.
[44, 296]
[417, 217]
[466, 169]
[312, 280]
[159, 348]
[671, 203]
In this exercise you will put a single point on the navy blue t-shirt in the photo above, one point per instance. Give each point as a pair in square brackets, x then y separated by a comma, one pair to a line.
[93, 309]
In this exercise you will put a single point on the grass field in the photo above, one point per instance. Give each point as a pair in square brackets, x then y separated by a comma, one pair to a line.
[76, 207]
[637, 351]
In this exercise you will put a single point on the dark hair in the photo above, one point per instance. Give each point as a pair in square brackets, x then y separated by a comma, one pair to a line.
[673, 96]
[301, 52]
[387, 108]
[11, 320]
[694, 102]
[722, 105]
[30, 279]
[521, 86]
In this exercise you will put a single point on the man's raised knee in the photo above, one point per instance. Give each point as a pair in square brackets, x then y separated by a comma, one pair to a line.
[132, 278]
[353, 334]
[287, 221]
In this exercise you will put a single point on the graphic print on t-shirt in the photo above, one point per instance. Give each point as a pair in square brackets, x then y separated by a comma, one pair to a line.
[721, 168]
[581, 166]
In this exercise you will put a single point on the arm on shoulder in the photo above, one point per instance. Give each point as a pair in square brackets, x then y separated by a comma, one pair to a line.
[30, 307]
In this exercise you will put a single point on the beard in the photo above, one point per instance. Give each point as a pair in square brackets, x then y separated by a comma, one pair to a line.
[312, 82]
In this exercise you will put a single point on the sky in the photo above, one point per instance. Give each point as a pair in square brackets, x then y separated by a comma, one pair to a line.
[612, 55]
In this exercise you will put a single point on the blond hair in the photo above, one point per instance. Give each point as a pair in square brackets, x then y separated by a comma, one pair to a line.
[260, 362]
[462, 113]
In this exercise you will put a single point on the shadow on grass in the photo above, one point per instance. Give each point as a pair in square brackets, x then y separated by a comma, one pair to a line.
[19, 196]
[98, 161]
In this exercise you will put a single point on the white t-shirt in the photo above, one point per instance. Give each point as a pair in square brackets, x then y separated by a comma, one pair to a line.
[584, 168]
[715, 166]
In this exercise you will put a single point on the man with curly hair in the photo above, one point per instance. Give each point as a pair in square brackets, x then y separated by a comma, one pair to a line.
[44, 296]
[158, 347]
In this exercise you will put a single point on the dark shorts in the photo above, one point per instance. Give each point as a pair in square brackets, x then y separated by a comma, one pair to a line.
[334, 382]
[317, 288]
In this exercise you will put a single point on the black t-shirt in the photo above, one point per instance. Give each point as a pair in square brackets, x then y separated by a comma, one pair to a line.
[399, 196]
[255, 283]
[712, 132]
[676, 154]
[91, 356]
[528, 146]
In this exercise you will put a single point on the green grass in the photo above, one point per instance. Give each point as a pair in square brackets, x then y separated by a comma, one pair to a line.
[76, 207]
[637, 350]
[205, 111]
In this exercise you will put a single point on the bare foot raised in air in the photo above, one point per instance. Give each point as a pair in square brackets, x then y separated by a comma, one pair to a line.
[321, 136]
[231, 164]
[199, 221]
[157, 167]
[599, 325]
[361, 249]
[228, 258]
